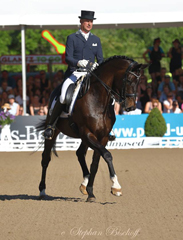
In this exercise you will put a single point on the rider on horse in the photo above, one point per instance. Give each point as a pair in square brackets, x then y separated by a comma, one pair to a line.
[82, 47]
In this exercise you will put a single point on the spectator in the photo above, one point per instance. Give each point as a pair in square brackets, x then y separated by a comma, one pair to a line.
[168, 104]
[6, 88]
[4, 98]
[19, 98]
[176, 55]
[41, 111]
[164, 93]
[6, 107]
[147, 97]
[168, 82]
[155, 54]
[152, 104]
[45, 82]
[18, 86]
[35, 105]
[175, 108]
[14, 106]
[180, 91]
[141, 90]
[5, 77]
[59, 76]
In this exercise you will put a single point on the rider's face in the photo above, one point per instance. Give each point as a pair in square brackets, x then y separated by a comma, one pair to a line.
[86, 25]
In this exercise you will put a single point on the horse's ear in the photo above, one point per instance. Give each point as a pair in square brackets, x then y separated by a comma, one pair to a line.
[143, 66]
[139, 66]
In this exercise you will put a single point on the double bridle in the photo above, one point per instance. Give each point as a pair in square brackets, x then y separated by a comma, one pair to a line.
[121, 98]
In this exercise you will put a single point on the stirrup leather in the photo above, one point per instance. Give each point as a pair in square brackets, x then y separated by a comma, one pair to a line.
[49, 132]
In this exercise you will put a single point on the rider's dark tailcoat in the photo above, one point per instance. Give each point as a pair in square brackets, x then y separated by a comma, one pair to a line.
[77, 48]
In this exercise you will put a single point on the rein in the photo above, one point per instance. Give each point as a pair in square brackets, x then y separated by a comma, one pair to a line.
[123, 96]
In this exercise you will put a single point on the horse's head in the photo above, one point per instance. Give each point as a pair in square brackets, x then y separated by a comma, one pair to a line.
[127, 85]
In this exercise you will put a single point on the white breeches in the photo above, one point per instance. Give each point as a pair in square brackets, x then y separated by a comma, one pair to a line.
[72, 79]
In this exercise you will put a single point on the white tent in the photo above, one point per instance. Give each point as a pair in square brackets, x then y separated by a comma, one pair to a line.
[58, 14]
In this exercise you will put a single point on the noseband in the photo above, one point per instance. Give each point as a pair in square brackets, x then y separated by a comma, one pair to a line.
[124, 95]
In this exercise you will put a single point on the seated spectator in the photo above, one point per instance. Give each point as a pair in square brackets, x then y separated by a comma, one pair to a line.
[59, 76]
[5, 77]
[6, 107]
[141, 90]
[175, 108]
[147, 96]
[152, 104]
[180, 91]
[19, 98]
[168, 104]
[3, 98]
[6, 88]
[45, 82]
[14, 106]
[18, 86]
[168, 82]
[35, 105]
[164, 94]
[41, 111]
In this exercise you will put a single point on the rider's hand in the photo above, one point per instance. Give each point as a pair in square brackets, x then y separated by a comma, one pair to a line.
[94, 66]
[82, 63]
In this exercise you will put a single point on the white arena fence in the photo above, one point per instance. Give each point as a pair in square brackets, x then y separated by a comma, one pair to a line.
[128, 129]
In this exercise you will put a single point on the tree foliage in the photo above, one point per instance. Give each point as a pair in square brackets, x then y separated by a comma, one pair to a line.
[155, 125]
[129, 42]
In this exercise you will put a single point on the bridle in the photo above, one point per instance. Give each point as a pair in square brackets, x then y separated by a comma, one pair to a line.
[122, 97]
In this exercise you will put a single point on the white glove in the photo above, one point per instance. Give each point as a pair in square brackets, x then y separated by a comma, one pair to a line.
[94, 66]
[82, 63]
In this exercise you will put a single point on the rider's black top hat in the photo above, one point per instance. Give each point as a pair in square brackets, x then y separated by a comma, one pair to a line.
[87, 15]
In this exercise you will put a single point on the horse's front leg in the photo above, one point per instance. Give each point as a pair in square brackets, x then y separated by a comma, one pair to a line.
[116, 188]
[46, 157]
[81, 153]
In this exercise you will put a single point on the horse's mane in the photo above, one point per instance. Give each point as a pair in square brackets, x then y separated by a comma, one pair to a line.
[114, 57]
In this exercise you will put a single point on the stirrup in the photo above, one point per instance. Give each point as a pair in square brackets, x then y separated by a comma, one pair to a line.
[49, 132]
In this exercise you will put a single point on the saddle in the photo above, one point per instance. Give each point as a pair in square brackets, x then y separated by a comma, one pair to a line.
[83, 89]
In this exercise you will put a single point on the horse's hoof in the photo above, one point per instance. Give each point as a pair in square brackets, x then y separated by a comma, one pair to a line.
[42, 195]
[82, 189]
[116, 192]
[91, 199]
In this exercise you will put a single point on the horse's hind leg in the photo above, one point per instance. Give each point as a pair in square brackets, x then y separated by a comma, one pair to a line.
[46, 157]
[93, 171]
[81, 153]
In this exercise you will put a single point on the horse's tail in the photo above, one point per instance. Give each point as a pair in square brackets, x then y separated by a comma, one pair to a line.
[41, 126]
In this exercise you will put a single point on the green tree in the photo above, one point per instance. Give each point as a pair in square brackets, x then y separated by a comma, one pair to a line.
[155, 125]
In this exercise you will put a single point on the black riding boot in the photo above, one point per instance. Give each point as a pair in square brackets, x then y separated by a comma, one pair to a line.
[57, 110]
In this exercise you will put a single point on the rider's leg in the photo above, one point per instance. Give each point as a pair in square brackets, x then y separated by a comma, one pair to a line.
[56, 111]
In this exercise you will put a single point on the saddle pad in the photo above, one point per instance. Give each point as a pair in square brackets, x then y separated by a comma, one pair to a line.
[74, 97]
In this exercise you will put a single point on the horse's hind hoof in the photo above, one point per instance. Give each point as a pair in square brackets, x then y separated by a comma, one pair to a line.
[91, 199]
[116, 192]
[82, 189]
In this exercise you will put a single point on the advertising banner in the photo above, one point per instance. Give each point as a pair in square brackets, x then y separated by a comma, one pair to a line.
[31, 59]
[128, 129]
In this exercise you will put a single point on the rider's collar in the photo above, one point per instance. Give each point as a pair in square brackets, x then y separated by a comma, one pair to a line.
[85, 35]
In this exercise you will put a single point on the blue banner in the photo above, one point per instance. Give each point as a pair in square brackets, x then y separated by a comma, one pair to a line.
[132, 126]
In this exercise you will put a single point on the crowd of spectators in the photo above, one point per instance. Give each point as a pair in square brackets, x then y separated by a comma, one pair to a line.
[39, 88]
[164, 88]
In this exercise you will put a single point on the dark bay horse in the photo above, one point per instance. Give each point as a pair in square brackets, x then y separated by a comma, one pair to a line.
[93, 118]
